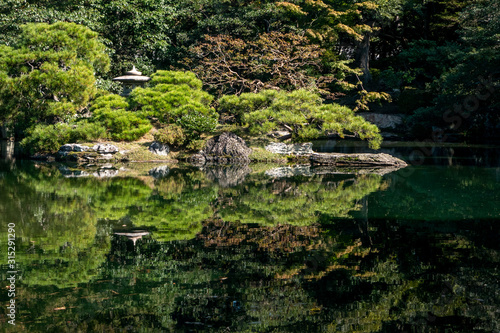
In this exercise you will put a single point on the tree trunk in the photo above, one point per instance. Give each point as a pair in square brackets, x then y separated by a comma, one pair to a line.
[363, 58]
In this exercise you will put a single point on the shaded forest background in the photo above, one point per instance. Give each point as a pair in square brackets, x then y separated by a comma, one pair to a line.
[435, 61]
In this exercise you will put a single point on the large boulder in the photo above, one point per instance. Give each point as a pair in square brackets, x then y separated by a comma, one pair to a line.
[159, 148]
[227, 148]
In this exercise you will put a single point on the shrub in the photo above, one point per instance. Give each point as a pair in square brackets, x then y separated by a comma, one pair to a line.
[196, 145]
[46, 138]
[122, 125]
[172, 95]
[87, 131]
[49, 138]
[172, 134]
[196, 123]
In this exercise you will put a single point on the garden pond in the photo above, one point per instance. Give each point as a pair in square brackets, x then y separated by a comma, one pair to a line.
[258, 248]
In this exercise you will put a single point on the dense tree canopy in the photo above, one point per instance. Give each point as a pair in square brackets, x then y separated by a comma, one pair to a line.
[49, 73]
[424, 57]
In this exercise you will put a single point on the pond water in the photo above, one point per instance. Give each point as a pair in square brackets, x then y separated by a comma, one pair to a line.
[148, 248]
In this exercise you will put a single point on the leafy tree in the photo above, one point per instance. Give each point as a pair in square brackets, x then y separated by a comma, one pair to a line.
[135, 32]
[465, 101]
[49, 75]
[274, 60]
[302, 112]
[139, 33]
[14, 14]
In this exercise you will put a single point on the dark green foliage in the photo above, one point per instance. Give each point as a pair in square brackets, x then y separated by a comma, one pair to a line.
[49, 138]
[411, 99]
[138, 31]
[172, 135]
[48, 76]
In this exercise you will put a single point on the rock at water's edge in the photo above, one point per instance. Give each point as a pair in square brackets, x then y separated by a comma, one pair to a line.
[159, 148]
[356, 160]
[73, 147]
[106, 148]
[226, 148]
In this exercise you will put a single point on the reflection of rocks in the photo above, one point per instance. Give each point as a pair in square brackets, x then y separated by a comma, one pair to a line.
[331, 170]
[159, 148]
[101, 153]
[227, 176]
[309, 171]
[197, 159]
[226, 148]
[69, 173]
[283, 172]
[356, 160]
[290, 149]
[103, 172]
[159, 171]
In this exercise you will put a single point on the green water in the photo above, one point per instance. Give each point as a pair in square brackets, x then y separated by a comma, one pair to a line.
[234, 249]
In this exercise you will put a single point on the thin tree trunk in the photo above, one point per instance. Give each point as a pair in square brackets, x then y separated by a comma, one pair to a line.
[363, 58]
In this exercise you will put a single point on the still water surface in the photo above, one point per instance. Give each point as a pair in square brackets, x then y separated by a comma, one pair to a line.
[152, 248]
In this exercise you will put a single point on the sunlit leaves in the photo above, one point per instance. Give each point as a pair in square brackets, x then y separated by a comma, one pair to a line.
[300, 111]
[50, 72]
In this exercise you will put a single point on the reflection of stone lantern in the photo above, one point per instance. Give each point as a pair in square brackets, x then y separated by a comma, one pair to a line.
[130, 80]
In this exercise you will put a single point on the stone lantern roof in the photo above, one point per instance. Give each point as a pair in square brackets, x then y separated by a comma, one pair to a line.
[130, 80]
[132, 76]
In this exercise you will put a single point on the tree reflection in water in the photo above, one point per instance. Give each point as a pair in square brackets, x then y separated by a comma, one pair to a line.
[263, 255]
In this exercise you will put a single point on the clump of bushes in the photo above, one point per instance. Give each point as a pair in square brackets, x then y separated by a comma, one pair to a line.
[174, 98]
[172, 135]
[122, 125]
[49, 138]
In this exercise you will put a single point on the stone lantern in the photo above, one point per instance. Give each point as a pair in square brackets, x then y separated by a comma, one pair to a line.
[130, 80]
